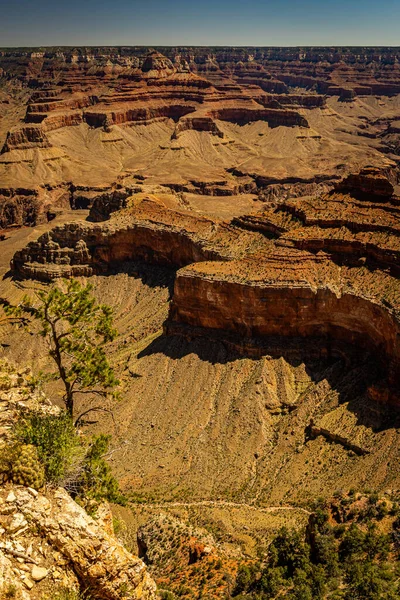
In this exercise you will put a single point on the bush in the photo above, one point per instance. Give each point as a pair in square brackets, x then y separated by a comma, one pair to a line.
[272, 581]
[97, 481]
[245, 578]
[57, 442]
[352, 543]
[67, 458]
[289, 551]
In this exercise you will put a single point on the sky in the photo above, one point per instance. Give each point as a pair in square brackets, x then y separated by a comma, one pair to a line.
[199, 22]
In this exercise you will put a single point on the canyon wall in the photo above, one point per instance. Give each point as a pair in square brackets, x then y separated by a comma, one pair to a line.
[323, 267]
[215, 298]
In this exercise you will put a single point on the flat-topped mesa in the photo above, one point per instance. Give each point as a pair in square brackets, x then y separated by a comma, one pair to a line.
[369, 182]
[146, 232]
[274, 117]
[26, 137]
[290, 294]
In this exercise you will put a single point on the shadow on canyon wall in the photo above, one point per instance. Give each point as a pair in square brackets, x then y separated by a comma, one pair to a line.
[349, 371]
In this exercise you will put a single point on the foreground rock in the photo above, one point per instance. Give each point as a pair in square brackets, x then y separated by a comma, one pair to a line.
[47, 542]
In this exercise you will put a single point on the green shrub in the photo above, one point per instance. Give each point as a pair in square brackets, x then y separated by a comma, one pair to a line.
[245, 578]
[118, 525]
[26, 468]
[67, 458]
[97, 481]
[57, 442]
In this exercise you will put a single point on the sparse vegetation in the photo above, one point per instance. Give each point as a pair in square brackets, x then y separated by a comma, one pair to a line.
[97, 482]
[347, 562]
[59, 446]
[49, 449]
[64, 593]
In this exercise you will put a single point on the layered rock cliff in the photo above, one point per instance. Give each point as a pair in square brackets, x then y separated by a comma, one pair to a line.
[147, 231]
[305, 268]
[289, 294]
[181, 115]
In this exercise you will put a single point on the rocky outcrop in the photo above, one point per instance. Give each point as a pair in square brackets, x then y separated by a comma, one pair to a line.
[30, 206]
[155, 64]
[313, 431]
[148, 232]
[25, 137]
[198, 124]
[67, 536]
[368, 182]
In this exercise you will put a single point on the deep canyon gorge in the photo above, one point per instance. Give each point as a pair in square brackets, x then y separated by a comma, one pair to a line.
[239, 209]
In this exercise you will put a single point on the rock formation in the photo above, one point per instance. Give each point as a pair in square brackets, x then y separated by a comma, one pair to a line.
[58, 544]
[172, 117]
[147, 231]
[323, 267]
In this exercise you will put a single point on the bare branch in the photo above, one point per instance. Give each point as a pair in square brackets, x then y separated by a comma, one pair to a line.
[95, 408]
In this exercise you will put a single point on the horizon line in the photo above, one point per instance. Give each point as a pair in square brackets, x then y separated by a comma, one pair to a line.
[255, 46]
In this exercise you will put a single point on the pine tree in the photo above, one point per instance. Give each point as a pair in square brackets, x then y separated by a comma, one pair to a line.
[76, 329]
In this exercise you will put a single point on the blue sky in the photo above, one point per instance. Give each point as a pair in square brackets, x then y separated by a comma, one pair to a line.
[207, 22]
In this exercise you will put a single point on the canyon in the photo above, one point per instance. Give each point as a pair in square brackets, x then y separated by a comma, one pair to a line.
[239, 208]
[225, 122]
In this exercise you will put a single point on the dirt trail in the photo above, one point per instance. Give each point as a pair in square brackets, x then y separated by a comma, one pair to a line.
[226, 504]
